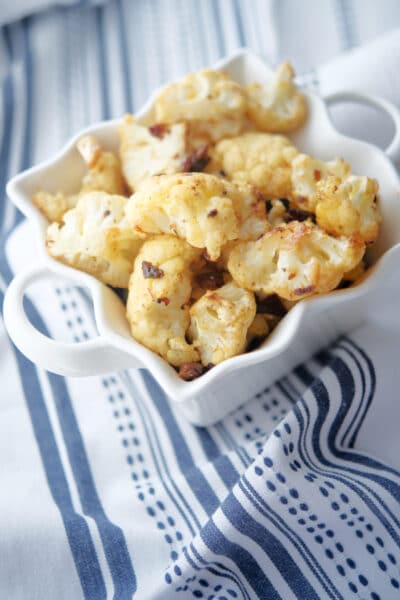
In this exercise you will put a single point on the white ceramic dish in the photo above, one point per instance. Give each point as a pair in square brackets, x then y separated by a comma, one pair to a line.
[312, 324]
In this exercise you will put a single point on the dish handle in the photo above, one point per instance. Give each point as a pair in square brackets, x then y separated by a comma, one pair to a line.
[393, 150]
[91, 357]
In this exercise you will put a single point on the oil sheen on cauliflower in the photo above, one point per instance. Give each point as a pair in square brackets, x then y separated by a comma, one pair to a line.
[95, 238]
[277, 106]
[104, 174]
[214, 104]
[158, 299]
[262, 159]
[219, 322]
[204, 210]
[294, 261]
[307, 172]
[348, 207]
[147, 151]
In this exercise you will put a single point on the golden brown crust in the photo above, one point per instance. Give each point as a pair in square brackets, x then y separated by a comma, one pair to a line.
[277, 106]
[148, 151]
[204, 210]
[94, 237]
[295, 260]
[219, 322]
[308, 172]
[348, 207]
[158, 307]
[54, 206]
[104, 175]
[262, 159]
[210, 100]
[228, 226]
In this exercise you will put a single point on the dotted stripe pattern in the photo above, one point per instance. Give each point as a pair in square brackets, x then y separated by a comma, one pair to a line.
[134, 446]
[253, 427]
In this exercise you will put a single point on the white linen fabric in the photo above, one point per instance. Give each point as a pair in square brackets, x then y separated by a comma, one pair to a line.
[105, 490]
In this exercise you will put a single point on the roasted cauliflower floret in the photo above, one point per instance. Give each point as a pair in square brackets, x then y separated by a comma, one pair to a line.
[53, 206]
[159, 294]
[206, 94]
[307, 172]
[261, 159]
[213, 103]
[348, 207]
[104, 174]
[208, 132]
[251, 213]
[277, 105]
[95, 238]
[294, 261]
[219, 322]
[147, 151]
[204, 210]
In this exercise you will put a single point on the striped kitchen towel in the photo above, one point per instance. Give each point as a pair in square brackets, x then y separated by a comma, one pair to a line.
[105, 491]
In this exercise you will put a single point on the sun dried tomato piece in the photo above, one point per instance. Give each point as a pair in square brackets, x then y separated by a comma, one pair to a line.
[210, 280]
[285, 202]
[190, 371]
[197, 161]
[159, 130]
[151, 271]
[297, 214]
[163, 300]
[305, 290]
[271, 305]
[212, 213]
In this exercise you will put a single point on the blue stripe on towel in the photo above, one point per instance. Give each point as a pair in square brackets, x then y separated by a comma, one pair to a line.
[8, 111]
[353, 478]
[284, 563]
[224, 572]
[217, 543]
[175, 495]
[193, 475]
[112, 537]
[222, 463]
[76, 528]
[282, 525]
[344, 342]
[27, 61]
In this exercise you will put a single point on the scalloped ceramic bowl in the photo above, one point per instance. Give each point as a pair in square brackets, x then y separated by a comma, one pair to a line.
[310, 325]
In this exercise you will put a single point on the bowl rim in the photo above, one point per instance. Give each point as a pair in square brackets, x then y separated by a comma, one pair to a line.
[287, 328]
